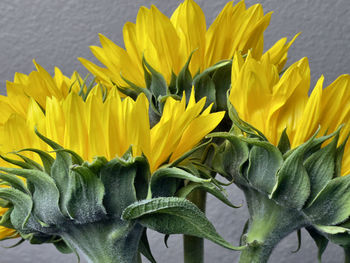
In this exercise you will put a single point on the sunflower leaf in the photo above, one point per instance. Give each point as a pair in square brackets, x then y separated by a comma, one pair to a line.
[171, 215]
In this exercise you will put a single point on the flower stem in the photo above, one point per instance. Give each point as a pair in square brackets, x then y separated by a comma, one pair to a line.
[255, 254]
[194, 246]
[111, 241]
[269, 223]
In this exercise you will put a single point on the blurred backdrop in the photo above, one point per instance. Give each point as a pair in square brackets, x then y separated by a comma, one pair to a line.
[56, 32]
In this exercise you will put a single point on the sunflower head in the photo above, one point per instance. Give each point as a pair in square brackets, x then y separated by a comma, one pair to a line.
[165, 56]
[288, 151]
[99, 180]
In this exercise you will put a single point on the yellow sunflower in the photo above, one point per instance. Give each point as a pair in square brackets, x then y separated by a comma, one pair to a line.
[108, 128]
[166, 44]
[38, 85]
[272, 103]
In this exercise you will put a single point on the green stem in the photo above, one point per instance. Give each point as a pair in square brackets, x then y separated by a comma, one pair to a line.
[111, 241]
[255, 254]
[194, 246]
[269, 223]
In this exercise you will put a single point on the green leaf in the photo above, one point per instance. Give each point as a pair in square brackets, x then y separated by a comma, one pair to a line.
[320, 167]
[171, 215]
[331, 206]
[207, 187]
[293, 184]
[85, 196]
[22, 206]
[264, 162]
[321, 242]
[45, 197]
[164, 181]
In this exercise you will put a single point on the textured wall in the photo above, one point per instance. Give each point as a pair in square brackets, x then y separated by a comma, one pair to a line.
[56, 32]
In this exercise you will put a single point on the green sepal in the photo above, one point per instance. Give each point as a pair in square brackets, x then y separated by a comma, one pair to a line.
[155, 81]
[320, 167]
[96, 165]
[331, 206]
[46, 195]
[242, 125]
[172, 215]
[14, 182]
[188, 154]
[184, 80]
[284, 143]
[320, 240]
[120, 174]
[164, 181]
[222, 80]
[230, 156]
[85, 196]
[205, 88]
[76, 159]
[293, 184]
[22, 209]
[18, 163]
[211, 70]
[265, 160]
[6, 219]
[33, 164]
[60, 171]
[339, 157]
[46, 158]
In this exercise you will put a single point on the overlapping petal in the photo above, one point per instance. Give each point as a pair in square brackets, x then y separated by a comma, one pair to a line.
[166, 44]
[108, 128]
[272, 103]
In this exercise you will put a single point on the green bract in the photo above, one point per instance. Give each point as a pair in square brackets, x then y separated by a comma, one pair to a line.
[213, 83]
[102, 208]
[286, 189]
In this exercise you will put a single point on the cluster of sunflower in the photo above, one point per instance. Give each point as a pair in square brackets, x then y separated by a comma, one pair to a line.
[90, 165]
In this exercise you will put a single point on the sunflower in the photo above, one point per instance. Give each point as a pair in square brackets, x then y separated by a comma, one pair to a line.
[38, 85]
[272, 103]
[166, 44]
[98, 127]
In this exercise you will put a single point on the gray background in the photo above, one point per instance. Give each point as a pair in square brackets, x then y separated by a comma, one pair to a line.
[56, 32]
